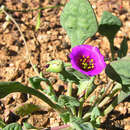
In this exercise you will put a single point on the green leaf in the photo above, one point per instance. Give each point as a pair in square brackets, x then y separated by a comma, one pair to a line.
[119, 70]
[35, 83]
[13, 126]
[82, 126]
[123, 48]
[79, 124]
[102, 91]
[95, 113]
[92, 99]
[68, 76]
[87, 126]
[68, 101]
[28, 126]
[38, 21]
[77, 74]
[76, 119]
[87, 86]
[10, 87]
[109, 25]
[65, 117]
[2, 123]
[26, 109]
[79, 21]
[123, 95]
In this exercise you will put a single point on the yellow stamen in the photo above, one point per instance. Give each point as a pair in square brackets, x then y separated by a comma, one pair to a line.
[84, 60]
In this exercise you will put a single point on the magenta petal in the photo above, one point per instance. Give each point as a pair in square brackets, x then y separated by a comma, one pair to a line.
[94, 53]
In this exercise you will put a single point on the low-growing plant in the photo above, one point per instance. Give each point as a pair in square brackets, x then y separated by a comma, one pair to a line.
[86, 61]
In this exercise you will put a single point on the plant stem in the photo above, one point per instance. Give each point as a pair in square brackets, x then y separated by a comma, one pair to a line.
[86, 116]
[25, 43]
[119, 98]
[51, 91]
[67, 64]
[81, 108]
[115, 89]
[29, 57]
[99, 99]
[90, 87]
[112, 47]
[63, 127]
[69, 93]
[31, 10]
[69, 89]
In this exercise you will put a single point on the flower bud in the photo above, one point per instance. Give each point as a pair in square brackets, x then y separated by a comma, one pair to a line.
[2, 7]
[55, 66]
[7, 18]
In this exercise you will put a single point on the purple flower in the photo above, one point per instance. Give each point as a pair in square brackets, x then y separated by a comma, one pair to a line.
[87, 59]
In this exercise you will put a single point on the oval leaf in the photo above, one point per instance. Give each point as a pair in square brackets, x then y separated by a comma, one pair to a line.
[79, 21]
[109, 25]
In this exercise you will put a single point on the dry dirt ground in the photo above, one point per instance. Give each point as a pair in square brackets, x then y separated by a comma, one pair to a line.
[48, 43]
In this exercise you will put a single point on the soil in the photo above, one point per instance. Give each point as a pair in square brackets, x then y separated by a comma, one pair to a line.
[48, 43]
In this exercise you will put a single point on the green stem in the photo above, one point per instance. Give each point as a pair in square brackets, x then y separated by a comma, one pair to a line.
[90, 87]
[115, 89]
[69, 89]
[100, 97]
[90, 90]
[24, 40]
[34, 66]
[112, 47]
[86, 116]
[119, 98]
[111, 107]
[73, 110]
[69, 93]
[67, 64]
[50, 89]
[10, 87]
[81, 108]
[51, 92]
[31, 10]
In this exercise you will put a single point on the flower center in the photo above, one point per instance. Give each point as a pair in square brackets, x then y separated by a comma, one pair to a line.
[86, 63]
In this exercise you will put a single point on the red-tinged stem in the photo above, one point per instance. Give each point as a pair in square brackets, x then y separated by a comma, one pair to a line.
[60, 127]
